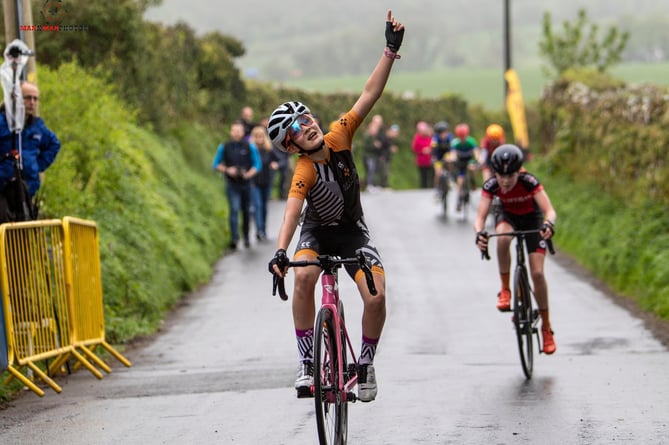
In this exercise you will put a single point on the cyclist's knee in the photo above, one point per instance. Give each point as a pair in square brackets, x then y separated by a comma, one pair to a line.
[503, 243]
[305, 281]
[538, 277]
[375, 303]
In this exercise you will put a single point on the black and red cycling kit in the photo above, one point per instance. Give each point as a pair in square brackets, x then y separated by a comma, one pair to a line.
[519, 209]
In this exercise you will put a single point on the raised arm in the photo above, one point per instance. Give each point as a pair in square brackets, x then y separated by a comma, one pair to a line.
[377, 80]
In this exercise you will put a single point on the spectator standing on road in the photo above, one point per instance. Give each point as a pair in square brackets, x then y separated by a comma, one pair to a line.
[238, 162]
[388, 149]
[422, 148]
[246, 117]
[264, 179]
[285, 170]
[371, 150]
[39, 147]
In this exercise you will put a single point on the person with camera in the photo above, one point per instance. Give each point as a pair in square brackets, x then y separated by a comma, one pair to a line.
[238, 162]
[38, 149]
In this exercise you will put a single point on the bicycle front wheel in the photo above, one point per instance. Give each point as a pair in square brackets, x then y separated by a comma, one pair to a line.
[443, 188]
[522, 319]
[331, 412]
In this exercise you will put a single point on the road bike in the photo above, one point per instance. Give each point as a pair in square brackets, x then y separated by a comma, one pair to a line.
[525, 317]
[464, 192]
[445, 179]
[335, 360]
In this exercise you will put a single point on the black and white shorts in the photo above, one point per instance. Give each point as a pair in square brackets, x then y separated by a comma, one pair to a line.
[341, 241]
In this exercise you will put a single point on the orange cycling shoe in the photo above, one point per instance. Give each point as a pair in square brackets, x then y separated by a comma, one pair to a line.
[549, 342]
[504, 300]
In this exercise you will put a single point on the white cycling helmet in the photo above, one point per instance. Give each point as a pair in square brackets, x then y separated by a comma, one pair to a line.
[281, 118]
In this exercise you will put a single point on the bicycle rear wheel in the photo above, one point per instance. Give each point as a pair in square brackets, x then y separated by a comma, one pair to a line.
[523, 319]
[331, 411]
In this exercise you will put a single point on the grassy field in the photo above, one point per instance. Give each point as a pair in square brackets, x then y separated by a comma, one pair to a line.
[478, 86]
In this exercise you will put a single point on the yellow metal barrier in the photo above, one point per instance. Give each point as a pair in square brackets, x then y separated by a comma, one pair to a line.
[52, 297]
[34, 297]
[82, 268]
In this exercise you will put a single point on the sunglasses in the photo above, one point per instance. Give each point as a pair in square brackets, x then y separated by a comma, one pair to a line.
[35, 98]
[295, 130]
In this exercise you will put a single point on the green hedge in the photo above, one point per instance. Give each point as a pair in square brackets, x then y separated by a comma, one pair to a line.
[605, 157]
[625, 246]
[160, 209]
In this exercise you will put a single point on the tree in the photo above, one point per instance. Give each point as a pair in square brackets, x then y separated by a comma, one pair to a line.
[167, 73]
[577, 46]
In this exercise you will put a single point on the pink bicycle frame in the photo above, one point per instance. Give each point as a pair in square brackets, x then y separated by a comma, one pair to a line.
[330, 300]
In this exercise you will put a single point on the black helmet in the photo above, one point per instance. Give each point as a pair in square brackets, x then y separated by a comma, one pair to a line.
[440, 126]
[506, 159]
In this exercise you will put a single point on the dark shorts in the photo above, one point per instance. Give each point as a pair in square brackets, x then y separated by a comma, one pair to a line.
[462, 165]
[342, 241]
[532, 221]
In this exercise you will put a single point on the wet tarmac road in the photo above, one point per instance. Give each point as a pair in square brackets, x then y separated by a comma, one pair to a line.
[222, 370]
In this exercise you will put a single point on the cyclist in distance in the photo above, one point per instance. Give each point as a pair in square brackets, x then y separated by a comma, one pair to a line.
[464, 153]
[327, 178]
[494, 137]
[524, 206]
[441, 146]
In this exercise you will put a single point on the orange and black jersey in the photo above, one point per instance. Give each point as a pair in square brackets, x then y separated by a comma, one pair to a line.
[331, 187]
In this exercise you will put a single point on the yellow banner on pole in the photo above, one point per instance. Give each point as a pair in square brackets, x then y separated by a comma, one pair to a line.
[516, 109]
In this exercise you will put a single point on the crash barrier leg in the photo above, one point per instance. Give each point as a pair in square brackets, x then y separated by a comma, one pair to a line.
[82, 266]
[3, 339]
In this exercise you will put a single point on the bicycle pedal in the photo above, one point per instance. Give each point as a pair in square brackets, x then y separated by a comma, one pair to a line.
[304, 392]
[351, 397]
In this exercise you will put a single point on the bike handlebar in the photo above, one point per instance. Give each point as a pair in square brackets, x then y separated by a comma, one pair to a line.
[518, 234]
[329, 264]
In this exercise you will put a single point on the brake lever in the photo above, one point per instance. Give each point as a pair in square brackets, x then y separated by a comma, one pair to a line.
[278, 283]
[364, 266]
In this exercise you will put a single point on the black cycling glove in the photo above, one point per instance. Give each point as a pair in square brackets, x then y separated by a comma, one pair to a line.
[280, 259]
[548, 225]
[481, 236]
[393, 38]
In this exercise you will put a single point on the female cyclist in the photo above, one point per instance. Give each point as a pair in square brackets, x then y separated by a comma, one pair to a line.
[327, 178]
[525, 206]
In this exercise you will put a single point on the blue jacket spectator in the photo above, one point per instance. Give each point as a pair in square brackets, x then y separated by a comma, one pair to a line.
[238, 161]
[39, 147]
